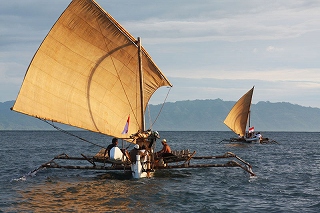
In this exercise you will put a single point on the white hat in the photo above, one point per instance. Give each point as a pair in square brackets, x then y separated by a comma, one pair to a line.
[164, 140]
[136, 146]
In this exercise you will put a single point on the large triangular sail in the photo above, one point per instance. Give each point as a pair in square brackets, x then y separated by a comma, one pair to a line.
[237, 118]
[86, 74]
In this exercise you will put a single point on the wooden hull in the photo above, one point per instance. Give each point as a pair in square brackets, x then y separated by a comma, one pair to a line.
[245, 140]
[253, 140]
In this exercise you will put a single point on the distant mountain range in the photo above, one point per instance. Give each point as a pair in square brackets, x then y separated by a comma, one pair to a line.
[196, 115]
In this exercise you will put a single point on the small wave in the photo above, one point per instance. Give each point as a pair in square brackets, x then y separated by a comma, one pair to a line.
[315, 206]
[24, 177]
[253, 178]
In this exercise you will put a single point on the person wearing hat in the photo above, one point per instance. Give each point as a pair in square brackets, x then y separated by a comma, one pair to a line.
[165, 148]
[134, 152]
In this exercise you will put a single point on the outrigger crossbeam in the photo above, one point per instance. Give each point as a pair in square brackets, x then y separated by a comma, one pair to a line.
[112, 165]
[246, 166]
[168, 163]
[228, 164]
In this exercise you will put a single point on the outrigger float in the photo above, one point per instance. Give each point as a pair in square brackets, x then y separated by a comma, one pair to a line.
[179, 161]
[91, 73]
[119, 159]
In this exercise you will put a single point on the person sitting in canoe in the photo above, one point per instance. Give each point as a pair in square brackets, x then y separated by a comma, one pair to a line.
[136, 151]
[166, 150]
[113, 144]
[258, 135]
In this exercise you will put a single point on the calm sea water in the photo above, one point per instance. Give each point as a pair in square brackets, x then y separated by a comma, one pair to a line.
[288, 176]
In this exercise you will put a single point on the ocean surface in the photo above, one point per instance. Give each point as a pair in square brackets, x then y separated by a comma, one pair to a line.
[288, 176]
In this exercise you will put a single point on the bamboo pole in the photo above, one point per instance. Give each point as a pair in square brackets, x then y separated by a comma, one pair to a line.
[123, 166]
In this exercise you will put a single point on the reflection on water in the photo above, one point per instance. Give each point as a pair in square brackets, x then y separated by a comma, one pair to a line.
[240, 145]
[103, 193]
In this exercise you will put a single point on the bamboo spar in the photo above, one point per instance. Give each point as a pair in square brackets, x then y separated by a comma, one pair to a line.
[141, 85]
[123, 166]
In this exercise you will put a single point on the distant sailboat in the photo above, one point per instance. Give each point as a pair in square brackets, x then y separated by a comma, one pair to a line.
[239, 117]
[90, 73]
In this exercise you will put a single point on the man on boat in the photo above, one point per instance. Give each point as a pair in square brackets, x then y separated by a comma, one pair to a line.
[258, 135]
[136, 151]
[113, 144]
[165, 149]
[144, 153]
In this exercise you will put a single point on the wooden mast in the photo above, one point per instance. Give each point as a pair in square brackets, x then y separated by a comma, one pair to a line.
[141, 86]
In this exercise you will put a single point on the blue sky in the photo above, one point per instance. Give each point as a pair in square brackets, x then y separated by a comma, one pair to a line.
[208, 49]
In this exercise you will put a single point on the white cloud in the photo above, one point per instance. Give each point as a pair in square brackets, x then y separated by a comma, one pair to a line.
[274, 49]
[307, 75]
[275, 21]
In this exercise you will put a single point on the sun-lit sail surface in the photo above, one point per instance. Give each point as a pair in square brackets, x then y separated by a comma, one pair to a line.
[86, 74]
[237, 118]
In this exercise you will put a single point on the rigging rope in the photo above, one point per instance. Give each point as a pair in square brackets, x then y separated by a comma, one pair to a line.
[150, 120]
[69, 133]
[162, 106]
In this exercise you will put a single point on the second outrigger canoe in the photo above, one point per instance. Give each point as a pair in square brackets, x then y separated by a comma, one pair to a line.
[238, 119]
